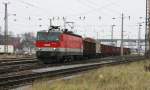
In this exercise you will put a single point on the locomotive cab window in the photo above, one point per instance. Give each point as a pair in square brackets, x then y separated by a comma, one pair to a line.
[48, 36]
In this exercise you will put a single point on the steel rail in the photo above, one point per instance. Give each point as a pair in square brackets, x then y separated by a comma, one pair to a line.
[18, 61]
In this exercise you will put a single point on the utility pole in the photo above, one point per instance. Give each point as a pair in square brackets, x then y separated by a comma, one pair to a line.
[97, 35]
[0, 29]
[6, 29]
[147, 29]
[51, 23]
[70, 24]
[122, 28]
[1, 41]
[146, 24]
[64, 19]
[139, 38]
[112, 32]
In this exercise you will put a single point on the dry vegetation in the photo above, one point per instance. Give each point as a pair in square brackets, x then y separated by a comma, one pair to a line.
[122, 77]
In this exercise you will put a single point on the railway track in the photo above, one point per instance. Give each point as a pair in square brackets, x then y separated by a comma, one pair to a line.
[15, 65]
[8, 66]
[27, 76]
[19, 65]
[16, 61]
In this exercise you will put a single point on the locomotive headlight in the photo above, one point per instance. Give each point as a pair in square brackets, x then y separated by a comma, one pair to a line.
[54, 49]
[38, 48]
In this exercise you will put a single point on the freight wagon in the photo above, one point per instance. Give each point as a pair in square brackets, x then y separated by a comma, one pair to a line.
[89, 47]
[108, 50]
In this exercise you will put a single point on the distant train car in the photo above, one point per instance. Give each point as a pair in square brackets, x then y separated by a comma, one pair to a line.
[108, 50]
[127, 51]
[10, 49]
[57, 45]
[89, 47]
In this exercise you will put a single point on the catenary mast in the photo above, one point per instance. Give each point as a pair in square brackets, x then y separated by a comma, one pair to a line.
[147, 29]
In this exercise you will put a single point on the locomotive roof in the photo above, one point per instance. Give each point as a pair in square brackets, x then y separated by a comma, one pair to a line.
[72, 34]
[63, 32]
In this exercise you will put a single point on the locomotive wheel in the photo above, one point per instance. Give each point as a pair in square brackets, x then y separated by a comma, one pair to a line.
[71, 58]
[68, 59]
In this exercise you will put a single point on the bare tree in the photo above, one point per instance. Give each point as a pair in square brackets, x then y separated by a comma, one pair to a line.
[27, 42]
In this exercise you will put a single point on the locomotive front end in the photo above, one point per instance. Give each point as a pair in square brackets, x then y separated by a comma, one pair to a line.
[47, 44]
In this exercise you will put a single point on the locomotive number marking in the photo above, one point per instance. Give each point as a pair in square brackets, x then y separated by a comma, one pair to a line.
[47, 45]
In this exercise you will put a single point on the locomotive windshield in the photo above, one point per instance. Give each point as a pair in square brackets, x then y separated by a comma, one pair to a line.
[48, 36]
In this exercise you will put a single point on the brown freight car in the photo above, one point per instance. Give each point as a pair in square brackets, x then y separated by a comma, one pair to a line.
[89, 47]
[107, 50]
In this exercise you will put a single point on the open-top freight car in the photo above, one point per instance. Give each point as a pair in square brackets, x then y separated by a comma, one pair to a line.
[108, 50]
[89, 47]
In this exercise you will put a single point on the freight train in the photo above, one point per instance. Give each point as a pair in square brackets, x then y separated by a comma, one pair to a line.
[60, 45]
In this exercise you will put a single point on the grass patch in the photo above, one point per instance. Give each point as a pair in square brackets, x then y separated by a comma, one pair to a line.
[122, 77]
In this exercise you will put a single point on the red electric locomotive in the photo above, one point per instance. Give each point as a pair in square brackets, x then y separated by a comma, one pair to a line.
[58, 45]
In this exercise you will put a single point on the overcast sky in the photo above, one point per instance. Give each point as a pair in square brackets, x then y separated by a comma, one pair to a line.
[33, 15]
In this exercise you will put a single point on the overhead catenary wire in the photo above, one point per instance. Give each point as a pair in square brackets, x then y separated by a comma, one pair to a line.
[86, 4]
[27, 3]
[35, 6]
[110, 3]
[106, 8]
[94, 9]
[97, 9]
